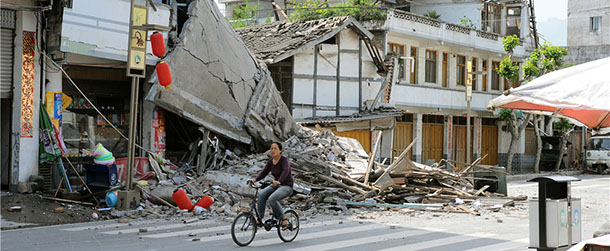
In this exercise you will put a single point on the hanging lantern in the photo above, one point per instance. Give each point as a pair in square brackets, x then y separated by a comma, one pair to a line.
[158, 46]
[163, 74]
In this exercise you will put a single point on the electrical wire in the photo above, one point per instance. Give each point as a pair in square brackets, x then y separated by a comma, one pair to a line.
[93, 105]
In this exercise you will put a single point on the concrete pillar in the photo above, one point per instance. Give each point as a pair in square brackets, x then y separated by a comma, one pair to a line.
[55, 80]
[488, 75]
[477, 137]
[421, 66]
[439, 68]
[448, 137]
[24, 157]
[148, 132]
[451, 70]
[417, 133]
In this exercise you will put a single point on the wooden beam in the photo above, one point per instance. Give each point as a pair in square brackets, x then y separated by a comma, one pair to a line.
[372, 158]
[352, 181]
[204, 150]
[338, 183]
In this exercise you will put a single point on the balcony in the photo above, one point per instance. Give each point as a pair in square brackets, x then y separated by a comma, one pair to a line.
[421, 27]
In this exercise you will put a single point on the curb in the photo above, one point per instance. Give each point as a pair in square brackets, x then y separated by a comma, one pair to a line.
[527, 176]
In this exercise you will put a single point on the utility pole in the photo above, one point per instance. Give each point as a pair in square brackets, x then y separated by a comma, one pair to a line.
[533, 23]
[471, 74]
[136, 69]
[468, 99]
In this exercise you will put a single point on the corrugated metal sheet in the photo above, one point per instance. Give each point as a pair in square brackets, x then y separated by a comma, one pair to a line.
[6, 61]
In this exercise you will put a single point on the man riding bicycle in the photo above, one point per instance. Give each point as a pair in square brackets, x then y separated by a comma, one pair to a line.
[279, 166]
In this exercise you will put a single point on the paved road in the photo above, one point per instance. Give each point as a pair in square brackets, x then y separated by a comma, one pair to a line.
[317, 234]
[387, 230]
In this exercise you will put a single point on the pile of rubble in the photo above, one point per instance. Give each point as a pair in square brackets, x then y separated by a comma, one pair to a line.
[330, 177]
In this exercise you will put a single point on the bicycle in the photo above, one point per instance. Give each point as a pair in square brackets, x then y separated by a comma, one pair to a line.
[244, 225]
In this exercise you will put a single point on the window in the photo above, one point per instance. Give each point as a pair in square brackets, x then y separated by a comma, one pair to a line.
[399, 49]
[461, 70]
[445, 59]
[495, 78]
[513, 21]
[491, 17]
[413, 65]
[595, 23]
[484, 77]
[430, 66]
[474, 76]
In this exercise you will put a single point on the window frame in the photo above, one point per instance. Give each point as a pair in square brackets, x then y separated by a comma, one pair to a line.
[413, 65]
[593, 25]
[474, 76]
[402, 75]
[460, 67]
[484, 77]
[431, 59]
[490, 17]
[494, 74]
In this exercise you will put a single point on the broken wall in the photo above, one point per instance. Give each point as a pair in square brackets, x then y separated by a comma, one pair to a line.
[218, 83]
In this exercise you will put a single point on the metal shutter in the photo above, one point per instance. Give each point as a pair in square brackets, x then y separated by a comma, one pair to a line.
[7, 35]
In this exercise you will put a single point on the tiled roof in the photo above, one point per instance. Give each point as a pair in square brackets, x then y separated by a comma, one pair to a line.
[276, 41]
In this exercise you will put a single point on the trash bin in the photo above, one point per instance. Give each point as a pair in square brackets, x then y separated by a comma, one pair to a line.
[554, 217]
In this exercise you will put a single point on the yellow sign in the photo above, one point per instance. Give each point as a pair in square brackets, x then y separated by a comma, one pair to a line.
[137, 59]
[469, 80]
[137, 42]
[138, 39]
[139, 15]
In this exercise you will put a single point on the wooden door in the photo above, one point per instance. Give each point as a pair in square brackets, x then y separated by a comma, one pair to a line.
[459, 143]
[489, 144]
[403, 135]
[432, 144]
[363, 136]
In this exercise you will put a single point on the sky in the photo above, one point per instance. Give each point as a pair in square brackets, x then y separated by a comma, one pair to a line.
[551, 21]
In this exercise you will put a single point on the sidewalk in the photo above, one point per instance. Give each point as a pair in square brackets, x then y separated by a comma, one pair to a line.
[527, 176]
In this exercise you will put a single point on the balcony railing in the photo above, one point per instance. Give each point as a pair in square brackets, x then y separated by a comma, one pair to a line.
[415, 18]
[409, 16]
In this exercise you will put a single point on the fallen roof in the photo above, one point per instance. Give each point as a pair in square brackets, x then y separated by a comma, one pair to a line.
[277, 41]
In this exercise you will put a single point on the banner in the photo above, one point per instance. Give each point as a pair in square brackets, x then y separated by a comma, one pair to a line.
[27, 84]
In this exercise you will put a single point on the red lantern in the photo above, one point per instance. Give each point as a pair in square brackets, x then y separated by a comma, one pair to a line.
[163, 74]
[182, 200]
[158, 46]
[205, 201]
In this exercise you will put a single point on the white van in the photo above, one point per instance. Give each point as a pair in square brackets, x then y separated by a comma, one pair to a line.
[598, 153]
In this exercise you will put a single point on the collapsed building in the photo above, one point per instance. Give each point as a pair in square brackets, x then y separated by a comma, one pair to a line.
[231, 100]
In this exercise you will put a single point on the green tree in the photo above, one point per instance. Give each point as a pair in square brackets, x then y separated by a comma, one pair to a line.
[564, 128]
[467, 22]
[432, 14]
[361, 10]
[244, 15]
[541, 61]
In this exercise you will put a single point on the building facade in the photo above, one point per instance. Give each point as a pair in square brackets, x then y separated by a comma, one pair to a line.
[88, 40]
[431, 77]
[589, 29]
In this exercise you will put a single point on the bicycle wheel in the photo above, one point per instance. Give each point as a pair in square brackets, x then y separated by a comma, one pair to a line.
[243, 229]
[291, 233]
